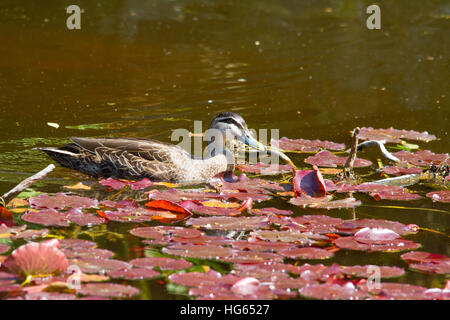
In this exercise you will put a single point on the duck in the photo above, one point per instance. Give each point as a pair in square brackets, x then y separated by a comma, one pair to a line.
[138, 158]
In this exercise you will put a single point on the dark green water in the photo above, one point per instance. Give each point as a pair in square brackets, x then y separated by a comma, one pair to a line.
[142, 68]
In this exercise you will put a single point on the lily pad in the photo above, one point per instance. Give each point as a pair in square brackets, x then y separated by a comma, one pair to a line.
[229, 223]
[368, 270]
[421, 158]
[428, 262]
[110, 290]
[330, 291]
[394, 135]
[439, 196]
[306, 253]
[305, 145]
[133, 274]
[264, 169]
[327, 159]
[161, 262]
[395, 245]
[61, 201]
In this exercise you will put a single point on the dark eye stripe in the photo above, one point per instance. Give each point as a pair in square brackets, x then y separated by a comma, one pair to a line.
[231, 120]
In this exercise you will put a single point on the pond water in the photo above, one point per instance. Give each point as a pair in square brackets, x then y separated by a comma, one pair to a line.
[311, 69]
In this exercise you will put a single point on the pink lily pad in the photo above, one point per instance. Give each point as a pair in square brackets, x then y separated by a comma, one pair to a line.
[421, 158]
[306, 253]
[31, 234]
[239, 256]
[85, 252]
[263, 246]
[3, 248]
[198, 251]
[134, 274]
[120, 184]
[229, 223]
[396, 291]
[327, 159]
[368, 235]
[337, 204]
[160, 231]
[49, 296]
[101, 266]
[37, 258]
[368, 270]
[110, 290]
[120, 204]
[394, 135]
[395, 226]
[264, 169]
[305, 200]
[395, 195]
[197, 279]
[395, 245]
[396, 170]
[270, 212]
[77, 216]
[175, 195]
[439, 196]
[305, 145]
[208, 210]
[48, 217]
[428, 262]
[61, 201]
[161, 262]
[309, 182]
[300, 238]
[331, 291]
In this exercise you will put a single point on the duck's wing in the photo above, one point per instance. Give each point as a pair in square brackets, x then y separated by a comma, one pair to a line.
[148, 149]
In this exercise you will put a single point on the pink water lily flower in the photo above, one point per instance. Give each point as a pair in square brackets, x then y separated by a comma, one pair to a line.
[37, 259]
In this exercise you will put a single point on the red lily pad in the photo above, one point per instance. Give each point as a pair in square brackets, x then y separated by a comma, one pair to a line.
[305, 200]
[395, 226]
[331, 291]
[396, 170]
[270, 212]
[396, 291]
[229, 223]
[134, 274]
[197, 279]
[48, 217]
[421, 158]
[394, 135]
[336, 204]
[439, 196]
[428, 262]
[368, 270]
[309, 182]
[306, 253]
[305, 145]
[3, 248]
[208, 210]
[239, 256]
[49, 296]
[101, 266]
[31, 234]
[77, 216]
[245, 184]
[160, 231]
[327, 159]
[315, 223]
[120, 204]
[72, 243]
[371, 235]
[110, 290]
[263, 246]
[85, 252]
[37, 258]
[198, 251]
[175, 195]
[120, 184]
[61, 201]
[301, 238]
[161, 262]
[395, 245]
[264, 169]
[395, 195]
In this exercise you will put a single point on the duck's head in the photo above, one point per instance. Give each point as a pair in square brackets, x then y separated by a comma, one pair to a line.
[233, 128]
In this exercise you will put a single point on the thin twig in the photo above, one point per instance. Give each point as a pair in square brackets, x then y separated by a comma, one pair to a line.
[351, 158]
[27, 182]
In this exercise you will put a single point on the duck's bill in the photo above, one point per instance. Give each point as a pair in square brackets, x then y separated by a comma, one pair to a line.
[253, 143]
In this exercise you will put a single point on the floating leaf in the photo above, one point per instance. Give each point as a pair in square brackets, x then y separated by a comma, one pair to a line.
[306, 253]
[421, 158]
[133, 274]
[61, 201]
[327, 159]
[428, 262]
[229, 223]
[439, 196]
[305, 145]
[111, 290]
[161, 262]
[330, 291]
[264, 169]
[394, 135]
[395, 245]
[309, 182]
[370, 270]
[78, 186]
